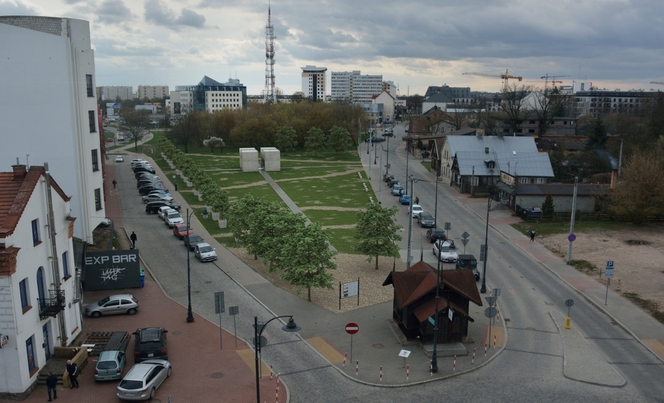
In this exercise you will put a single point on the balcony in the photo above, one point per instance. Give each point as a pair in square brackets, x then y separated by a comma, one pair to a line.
[50, 307]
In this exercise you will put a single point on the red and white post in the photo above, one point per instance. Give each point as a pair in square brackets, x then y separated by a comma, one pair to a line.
[357, 367]
[454, 366]
[431, 367]
[381, 373]
[484, 349]
[473, 362]
[494, 341]
[270, 371]
[345, 357]
[407, 373]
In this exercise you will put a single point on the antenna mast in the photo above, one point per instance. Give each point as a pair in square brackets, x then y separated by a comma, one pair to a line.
[270, 95]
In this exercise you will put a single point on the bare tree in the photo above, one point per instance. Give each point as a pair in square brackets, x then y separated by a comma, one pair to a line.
[459, 118]
[135, 124]
[548, 103]
[514, 105]
[189, 127]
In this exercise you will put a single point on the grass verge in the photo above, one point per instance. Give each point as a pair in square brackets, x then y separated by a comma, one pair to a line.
[560, 227]
[332, 217]
[343, 240]
[648, 305]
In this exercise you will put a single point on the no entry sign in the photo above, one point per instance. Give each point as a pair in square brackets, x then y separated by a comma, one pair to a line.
[352, 328]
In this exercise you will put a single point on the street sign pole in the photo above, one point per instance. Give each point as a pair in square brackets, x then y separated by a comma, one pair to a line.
[351, 329]
[571, 224]
[608, 275]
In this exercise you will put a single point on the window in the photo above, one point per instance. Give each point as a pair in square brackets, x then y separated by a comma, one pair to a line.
[541, 180]
[65, 264]
[29, 343]
[36, 238]
[524, 180]
[475, 181]
[88, 85]
[91, 121]
[95, 161]
[98, 199]
[25, 297]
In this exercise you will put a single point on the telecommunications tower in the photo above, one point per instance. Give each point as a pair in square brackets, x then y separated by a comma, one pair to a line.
[270, 95]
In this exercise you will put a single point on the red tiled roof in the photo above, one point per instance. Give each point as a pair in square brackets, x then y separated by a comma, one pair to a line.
[15, 195]
[429, 309]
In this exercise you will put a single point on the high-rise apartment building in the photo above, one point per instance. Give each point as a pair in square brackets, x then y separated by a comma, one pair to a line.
[113, 93]
[351, 86]
[313, 82]
[153, 91]
[210, 95]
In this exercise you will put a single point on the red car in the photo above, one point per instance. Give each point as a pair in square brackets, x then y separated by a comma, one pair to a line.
[181, 230]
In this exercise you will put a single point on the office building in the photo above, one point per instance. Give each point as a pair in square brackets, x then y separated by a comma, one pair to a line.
[313, 82]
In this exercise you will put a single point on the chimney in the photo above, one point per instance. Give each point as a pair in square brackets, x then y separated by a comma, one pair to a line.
[614, 178]
[19, 172]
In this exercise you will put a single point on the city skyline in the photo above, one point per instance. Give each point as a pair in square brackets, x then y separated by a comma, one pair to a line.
[613, 44]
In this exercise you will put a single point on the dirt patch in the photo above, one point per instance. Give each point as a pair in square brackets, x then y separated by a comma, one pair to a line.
[638, 268]
[350, 267]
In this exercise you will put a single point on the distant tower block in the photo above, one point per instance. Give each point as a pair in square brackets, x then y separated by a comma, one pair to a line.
[270, 159]
[249, 160]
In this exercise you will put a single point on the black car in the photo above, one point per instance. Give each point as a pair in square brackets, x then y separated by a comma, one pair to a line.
[150, 342]
[192, 240]
[388, 177]
[426, 220]
[143, 169]
[151, 181]
[392, 182]
[468, 262]
[153, 207]
[144, 175]
[435, 234]
[149, 188]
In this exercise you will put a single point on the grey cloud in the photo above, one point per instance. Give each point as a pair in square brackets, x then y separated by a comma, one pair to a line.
[16, 8]
[113, 12]
[158, 13]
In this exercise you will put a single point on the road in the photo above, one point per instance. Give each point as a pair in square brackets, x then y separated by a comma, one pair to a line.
[529, 370]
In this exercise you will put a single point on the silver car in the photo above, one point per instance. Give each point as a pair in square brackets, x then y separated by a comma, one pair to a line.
[204, 252]
[112, 305]
[446, 251]
[172, 218]
[143, 380]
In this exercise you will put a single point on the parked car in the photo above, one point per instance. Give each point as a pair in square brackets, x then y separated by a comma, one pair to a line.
[388, 177]
[397, 190]
[143, 169]
[404, 199]
[149, 188]
[191, 240]
[114, 304]
[145, 182]
[119, 158]
[136, 161]
[172, 218]
[446, 251]
[204, 252]
[143, 380]
[153, 197]
[426, 220]
[392, 183]
[144, 175]
[153, 207]
[163, 211]
[104, 223]
[468, 262]
[435, 234]
[417, 209]
[181, 230]
[149, 343]
[110, 365]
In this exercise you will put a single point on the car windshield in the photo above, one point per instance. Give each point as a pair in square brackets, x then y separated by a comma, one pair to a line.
[173, 215]
[195, 238]
[183, 228]
[427, 217]
[131, 385]
[150, 336]
[206, 249]
[106, 365]
[103, 301]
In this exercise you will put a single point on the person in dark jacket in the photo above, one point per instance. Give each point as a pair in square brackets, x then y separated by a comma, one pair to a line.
[72, 370]
[133, 238]
[51, 382]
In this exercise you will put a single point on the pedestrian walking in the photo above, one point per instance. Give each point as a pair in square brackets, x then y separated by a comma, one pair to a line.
[417, 200]
[532, 235]
[51, 383]
[114, 183]
[133, 238]
[72, 370]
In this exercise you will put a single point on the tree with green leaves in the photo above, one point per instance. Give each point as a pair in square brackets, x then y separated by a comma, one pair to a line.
[244, 222]
[285, 139]
[339, 139]
[377, 230]
[547, 207]
[213, 142]
[597, 137]
[136, 124]
[315, 141]
[307, 259]
[277, 229]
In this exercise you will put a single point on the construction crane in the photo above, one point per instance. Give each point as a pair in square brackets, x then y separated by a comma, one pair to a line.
[553, 80]
[505, 76]
[657, 82]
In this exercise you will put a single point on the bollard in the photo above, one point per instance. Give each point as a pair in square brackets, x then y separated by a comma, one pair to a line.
[381, 373]
[431, 367]
[494, 341]
[485, 349]
[473, 361]
[345, 356]
[498, 316]
[454, 366]
[407, 372]
[618, 284]
[277, 393]
[357, 368]
[567, 326]
[270, 371]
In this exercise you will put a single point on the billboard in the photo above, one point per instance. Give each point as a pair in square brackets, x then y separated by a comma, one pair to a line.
[111, 270]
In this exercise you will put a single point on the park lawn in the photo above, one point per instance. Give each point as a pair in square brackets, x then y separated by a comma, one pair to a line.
[307, 172]
[322, 156]
[264, 191]
[210, 225]
[562, 227]
[343, 239]
[234, 178]
[334, 191]
[217, 161]
[155, 136]
[332, 217]
[292, 164]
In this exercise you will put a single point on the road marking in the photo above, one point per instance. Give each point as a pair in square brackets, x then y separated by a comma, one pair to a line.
[655, 345]
[249, 357]
[326, 349]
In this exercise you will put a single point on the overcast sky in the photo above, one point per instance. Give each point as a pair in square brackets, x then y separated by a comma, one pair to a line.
[615, 44]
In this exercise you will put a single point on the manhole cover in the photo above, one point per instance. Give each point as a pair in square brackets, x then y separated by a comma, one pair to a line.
[530, 328]
[377, 346]
[217, 375]
[208, 282]
[176, 333]
[637, 242]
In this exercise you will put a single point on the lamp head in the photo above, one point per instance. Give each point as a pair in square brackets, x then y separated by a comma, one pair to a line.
[291, 326]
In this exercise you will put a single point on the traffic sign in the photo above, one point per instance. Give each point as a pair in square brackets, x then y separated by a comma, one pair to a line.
[571, 237]
[352, 328]
[569, 302]
[609, 264]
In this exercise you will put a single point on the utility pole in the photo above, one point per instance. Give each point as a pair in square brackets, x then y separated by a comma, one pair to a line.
[380, 180]
[571, 224]
[410, 221]
[387, 164]
[435, 207]
[486, 246]
[620, 159]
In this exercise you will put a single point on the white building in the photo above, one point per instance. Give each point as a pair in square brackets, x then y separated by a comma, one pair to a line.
[45, 55]
[387, 101]
[210, 95]
[153, 91]
[351, 86]
[113, 93]
[340, 85]
[38, 293]
[313, 82]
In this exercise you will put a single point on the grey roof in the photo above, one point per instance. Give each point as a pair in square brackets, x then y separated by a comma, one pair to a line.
[208, 81]
[439, 97]
[531, 164]
[559, 189]
[495, 143]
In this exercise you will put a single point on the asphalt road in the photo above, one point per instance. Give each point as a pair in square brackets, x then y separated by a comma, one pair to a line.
[529, 370]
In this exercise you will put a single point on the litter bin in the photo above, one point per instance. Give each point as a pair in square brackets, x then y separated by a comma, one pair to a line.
[142, 278]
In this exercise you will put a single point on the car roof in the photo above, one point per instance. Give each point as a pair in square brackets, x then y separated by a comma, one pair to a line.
[138, 372]
[150, 333]
[120, 296]
[108, 355]
[203, 244]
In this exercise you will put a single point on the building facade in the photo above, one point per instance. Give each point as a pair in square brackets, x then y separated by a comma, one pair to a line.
[598, 103]
[153, 91]
[45, 55]
[113, 93]
[341, 85]
[38, 283]
[313, 82]
[351, 86]
[208, 95]
[387, 101]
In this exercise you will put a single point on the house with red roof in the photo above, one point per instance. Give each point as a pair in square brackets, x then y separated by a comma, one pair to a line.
[38, 287]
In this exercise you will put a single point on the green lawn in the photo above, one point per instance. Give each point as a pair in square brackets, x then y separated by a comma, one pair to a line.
[217, 161]
[332, 217]
[265, 191]
[234, 178]
[562, 227]
[336, 191]
[306, 172]
[343, 240]
[330, 156]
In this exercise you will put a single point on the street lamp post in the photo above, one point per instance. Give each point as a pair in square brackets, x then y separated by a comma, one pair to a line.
[190, 315]
[289, 327]
[486, 246]
[434, 356]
